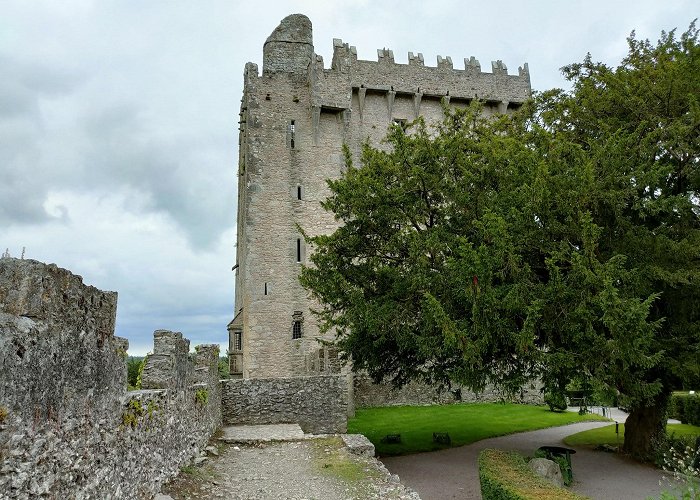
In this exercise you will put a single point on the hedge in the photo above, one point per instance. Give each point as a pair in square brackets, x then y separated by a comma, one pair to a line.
[504, 475]
[685, 407]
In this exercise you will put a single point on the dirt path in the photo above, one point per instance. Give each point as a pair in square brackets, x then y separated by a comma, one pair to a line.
[453, 473]
[305, 469]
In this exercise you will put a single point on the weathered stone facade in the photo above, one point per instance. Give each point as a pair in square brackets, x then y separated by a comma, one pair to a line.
[68, 426]
[318, 403]
[295, 117]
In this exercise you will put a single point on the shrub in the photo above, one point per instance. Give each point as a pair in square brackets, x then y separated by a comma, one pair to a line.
[504, 475]
[685, 407]
[133, 366]
[682, 460]
[139, 374]
[556, 401]
[130, 416]
[223, 368]
[201, 397]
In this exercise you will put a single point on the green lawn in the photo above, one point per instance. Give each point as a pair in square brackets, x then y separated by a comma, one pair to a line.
[606, 435]
[465, 423]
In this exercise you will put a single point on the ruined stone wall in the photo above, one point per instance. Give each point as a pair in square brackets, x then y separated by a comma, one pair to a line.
[319, 404]
[68, 426]
[295, 117]
[368, 394]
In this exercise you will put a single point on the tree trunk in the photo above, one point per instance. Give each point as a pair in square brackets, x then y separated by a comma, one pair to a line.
[645, 428]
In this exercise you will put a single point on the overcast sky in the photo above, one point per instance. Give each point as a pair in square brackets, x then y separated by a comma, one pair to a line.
[118, 122]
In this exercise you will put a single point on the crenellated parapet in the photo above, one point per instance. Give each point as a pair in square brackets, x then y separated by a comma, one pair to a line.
[169, 366]
[289, 51]
[344, 56]
[332, 88]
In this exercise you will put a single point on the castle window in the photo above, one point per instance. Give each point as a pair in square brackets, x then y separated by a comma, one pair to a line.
[298, 249]
[291, 134]
[237, 341]
[266, 289]
[298, 192]
[297, 320]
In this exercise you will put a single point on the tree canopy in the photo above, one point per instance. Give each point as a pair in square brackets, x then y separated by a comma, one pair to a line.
[560, 242]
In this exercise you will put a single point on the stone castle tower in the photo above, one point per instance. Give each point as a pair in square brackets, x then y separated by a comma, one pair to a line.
[294, 120]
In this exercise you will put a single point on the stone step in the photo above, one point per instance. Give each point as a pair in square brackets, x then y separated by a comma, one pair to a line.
[261, 433]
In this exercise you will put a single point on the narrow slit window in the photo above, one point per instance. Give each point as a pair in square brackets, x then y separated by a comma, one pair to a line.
[266, 288]
[298, 249]
[298, 192]
[296, 329]
[297, 321]
[291, 134]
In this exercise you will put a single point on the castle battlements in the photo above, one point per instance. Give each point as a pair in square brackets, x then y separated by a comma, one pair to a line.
[288, 52]
[345, 56]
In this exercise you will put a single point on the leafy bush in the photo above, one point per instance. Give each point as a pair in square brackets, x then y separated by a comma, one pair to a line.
[685, 407]
[556, 401]
[223, 367]
[133, 367]
[139, 374]
[201, 397]
[682, 460]
[504, 475]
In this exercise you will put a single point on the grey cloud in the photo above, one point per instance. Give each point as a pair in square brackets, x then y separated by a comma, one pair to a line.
[23, 84]
[122, 150]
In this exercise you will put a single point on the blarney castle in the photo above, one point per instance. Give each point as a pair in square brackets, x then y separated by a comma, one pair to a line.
[294, 119]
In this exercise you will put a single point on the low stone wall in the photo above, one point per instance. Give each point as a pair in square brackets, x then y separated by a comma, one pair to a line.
[367, 394]
[319, 404]
[68, 426]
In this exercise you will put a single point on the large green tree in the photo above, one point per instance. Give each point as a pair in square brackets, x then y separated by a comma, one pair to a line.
[562, 242]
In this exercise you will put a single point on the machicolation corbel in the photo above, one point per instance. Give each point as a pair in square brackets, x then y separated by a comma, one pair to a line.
[390, 96]
[361, 93]
[417, 97]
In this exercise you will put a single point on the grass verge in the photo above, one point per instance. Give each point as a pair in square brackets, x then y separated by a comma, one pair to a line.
[504, 475]
[606, 435]
[465, 423]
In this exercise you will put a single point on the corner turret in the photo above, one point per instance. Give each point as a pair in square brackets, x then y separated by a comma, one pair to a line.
[289, 48]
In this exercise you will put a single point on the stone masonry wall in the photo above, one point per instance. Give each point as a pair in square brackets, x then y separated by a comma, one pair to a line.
[368, 394]
[68, 426]
[318, 404]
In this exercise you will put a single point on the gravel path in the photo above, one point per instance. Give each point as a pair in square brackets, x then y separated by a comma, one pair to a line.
[319, 469]
[453, 473]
